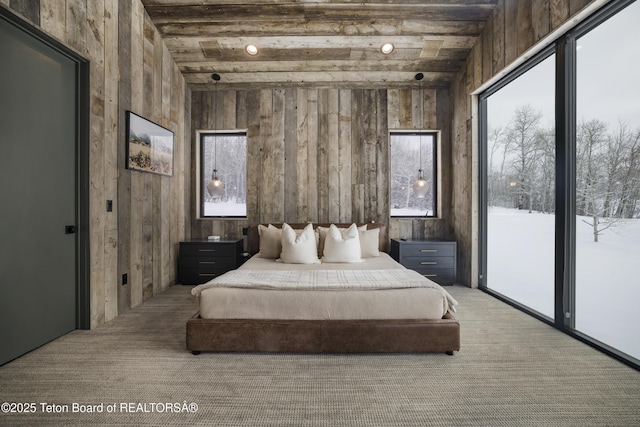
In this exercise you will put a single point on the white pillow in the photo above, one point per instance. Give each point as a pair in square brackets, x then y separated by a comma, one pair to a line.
[270, 241]
[342, 248]
[322, 234]
[369, 242]
[299, 249]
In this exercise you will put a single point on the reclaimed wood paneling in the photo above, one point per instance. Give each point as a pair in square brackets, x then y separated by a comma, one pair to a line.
[153, 44]
[312, 155]
[382, 163]
[254, 152]
[497, 26]
[302, 155]
[323, 155]
[369, 121]
[125, 51]
[333, 153]
[291, 187]
[344, 155]
[112, 141]
[510, 30]
[53, 18]
[339, 142]
[76, 33]
[524, 25]
[29, 9]
[94, 47]
[137, 179]
[357, 155]
[541, 18]
[332, 43]
[124, 180]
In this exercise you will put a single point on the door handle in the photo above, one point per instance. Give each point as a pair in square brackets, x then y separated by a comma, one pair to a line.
[69, 229]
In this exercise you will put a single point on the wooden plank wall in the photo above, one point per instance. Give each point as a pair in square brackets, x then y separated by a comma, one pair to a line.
[130, 69]
[514, 28]
[322, 155]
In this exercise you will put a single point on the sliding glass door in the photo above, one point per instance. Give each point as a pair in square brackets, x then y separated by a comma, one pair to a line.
[520, 228]
[607, 201]
[560, 145]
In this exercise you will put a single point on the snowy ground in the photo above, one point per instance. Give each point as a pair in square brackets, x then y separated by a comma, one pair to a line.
[410, 212]
[520, 266]
[225, 209]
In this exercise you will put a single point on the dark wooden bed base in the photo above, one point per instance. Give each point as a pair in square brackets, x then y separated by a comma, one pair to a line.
[323, 336]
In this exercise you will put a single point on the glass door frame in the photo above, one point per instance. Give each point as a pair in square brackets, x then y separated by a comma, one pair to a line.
[483, 182]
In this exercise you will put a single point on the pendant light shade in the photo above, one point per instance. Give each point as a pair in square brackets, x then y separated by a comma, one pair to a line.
[215, 187]
[421, 186]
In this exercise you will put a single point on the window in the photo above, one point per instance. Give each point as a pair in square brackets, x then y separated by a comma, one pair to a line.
[575, 231]
[224, 155]
[607, 193]
[410, 152]
[520, 168]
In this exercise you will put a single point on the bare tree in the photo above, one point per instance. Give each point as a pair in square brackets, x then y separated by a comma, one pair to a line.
[546, 173]
[522, 133]
[607, 174]
[628, 172]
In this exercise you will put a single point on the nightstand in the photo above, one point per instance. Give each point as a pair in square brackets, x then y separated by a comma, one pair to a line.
[201, 260]
[434, 259]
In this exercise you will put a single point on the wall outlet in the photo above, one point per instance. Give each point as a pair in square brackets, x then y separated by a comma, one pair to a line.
[125, 278]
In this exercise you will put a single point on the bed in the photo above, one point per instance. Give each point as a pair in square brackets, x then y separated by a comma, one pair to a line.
[372, 304]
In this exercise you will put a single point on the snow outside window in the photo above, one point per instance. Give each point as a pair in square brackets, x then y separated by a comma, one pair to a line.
[226, 153]
[410, 152]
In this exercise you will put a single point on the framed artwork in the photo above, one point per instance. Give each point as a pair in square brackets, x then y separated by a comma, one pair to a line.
[149, 146]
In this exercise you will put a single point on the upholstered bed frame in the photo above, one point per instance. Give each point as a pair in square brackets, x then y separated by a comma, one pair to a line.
[319, 336]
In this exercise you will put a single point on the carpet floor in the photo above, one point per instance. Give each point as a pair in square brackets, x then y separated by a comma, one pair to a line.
[512, 370]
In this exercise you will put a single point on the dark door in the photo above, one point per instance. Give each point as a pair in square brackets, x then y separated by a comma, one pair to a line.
[37, 192]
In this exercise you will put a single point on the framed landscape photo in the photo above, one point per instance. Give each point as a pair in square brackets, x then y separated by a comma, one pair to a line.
[149, 146]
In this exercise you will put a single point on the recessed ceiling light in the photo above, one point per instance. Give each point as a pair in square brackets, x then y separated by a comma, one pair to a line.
[251, 49]
[387, 48]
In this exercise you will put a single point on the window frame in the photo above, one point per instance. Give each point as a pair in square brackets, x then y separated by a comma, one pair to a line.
[564, 48]
[436, 134]
[203, 176]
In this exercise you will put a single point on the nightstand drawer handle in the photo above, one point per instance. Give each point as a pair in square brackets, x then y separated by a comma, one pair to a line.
[428, 262]
[428, 250]
[430, 275]
[206, 262]
[206, 250]
[207, 275]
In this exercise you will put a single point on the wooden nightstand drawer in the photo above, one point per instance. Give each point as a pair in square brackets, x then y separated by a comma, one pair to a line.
[416, 263]
[414, 249]
[208, 262]
[434, 259]
[207, 250]
[443, 276]
[195, 277]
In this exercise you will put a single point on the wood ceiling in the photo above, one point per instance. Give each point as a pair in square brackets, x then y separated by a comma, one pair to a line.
[319, 43]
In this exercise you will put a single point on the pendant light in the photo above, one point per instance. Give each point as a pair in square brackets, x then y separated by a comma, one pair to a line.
[215, 187]
[421, 186]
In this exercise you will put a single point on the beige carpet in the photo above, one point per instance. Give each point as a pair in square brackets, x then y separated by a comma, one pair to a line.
[511, 371]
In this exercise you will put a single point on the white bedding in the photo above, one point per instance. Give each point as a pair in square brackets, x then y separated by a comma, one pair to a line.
[378, 288]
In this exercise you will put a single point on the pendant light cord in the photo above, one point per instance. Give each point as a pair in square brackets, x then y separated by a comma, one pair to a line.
[421, 128]
[215, 133]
